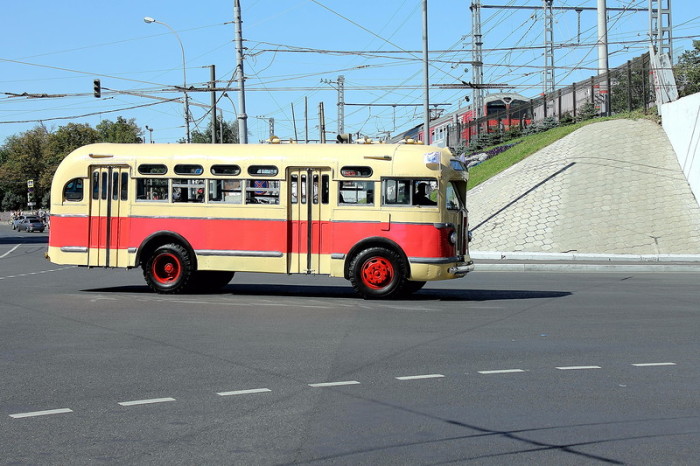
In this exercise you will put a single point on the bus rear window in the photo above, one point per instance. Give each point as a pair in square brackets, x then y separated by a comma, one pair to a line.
[152, 169]
[73, 190]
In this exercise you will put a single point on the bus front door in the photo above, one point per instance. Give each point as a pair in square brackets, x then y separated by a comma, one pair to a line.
[108, 207]
[308, 220]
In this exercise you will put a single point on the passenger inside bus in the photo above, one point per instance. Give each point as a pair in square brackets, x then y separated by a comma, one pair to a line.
[420, 197]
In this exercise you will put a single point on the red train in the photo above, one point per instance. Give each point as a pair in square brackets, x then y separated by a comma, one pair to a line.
[502, 111]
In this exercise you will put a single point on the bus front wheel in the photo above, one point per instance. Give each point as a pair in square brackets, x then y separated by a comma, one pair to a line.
[169, 269]
[377, 273]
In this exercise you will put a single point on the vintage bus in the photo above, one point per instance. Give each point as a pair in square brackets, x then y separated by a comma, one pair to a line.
[191, 215]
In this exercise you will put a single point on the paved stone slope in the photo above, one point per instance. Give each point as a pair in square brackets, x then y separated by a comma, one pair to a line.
[612, 187]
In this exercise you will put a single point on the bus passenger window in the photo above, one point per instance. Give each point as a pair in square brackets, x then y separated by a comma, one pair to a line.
[151, 189]
[73, 190]
[188, 190]
[125, 186]
[225, 191]
[262, 192]
[356, 193]
[396, 192]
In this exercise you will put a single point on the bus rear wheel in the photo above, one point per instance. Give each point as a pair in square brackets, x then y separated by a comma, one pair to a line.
[377, 273]
[169, 269]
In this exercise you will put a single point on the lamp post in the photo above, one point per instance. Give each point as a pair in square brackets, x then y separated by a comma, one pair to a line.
[149, 20]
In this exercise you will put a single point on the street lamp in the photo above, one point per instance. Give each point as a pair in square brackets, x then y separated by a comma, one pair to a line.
[149, 20]
[150, 131]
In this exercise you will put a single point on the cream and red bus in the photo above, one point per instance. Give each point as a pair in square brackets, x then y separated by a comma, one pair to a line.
[387, 218]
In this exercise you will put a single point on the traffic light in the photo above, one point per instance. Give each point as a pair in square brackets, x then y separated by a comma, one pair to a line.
[97, 88]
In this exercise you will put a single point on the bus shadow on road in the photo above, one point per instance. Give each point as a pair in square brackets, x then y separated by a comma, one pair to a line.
[346, 292]
[29, 239]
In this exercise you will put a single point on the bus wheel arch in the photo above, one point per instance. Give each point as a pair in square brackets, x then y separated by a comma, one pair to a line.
[169, 264]
[377, 269]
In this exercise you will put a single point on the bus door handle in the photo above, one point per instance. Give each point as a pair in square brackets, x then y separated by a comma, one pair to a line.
[385, 221]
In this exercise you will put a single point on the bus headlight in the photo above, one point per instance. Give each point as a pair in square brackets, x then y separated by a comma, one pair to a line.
[453, 238]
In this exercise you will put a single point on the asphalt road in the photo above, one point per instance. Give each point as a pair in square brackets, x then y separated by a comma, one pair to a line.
[495, 368]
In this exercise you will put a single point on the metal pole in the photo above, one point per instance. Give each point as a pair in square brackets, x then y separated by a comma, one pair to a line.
[242, 116]
[426, 83]
[213, 102]
[603, 53]
[341, 104]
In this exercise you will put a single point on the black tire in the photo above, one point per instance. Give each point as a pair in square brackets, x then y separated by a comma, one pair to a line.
[169, 270]
[205, 281]
[378, 273]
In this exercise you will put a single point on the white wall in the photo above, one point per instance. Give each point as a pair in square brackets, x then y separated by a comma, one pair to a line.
[681, 121]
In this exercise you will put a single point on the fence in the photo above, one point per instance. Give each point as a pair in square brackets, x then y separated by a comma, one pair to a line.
[631, 87]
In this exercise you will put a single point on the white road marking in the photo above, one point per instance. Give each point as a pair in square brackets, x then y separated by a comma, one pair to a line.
[334, 384]
[146, 402]
[418, 377]
[502, 371]
[652, 364]
[10, 251]
[41, 413]
[577, 368]
[245, 392]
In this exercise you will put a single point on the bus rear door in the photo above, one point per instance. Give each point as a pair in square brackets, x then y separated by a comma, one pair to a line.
[108, 210]
[308, 220]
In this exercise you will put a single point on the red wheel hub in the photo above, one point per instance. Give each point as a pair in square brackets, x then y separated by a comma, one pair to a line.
[377, 272]
[166, 268]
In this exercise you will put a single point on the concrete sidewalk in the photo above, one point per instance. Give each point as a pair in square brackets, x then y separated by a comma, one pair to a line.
[611, 193]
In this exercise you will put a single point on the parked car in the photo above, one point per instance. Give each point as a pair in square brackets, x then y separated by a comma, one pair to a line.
[30, 224]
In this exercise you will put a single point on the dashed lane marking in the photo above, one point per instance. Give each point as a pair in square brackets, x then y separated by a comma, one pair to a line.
[577, 368]
[501, 371]
[334, 384]
[654, 364]
[146, 402]
[419, 377]
[47, 412]
[245, 392]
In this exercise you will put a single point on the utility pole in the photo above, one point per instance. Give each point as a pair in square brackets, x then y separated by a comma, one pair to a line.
[660, 27]
[548, 82]
[603, 55]
[426, 77]
[322, 122]
[477, 60]
[242, 116]
[341, 101]
[212, 108]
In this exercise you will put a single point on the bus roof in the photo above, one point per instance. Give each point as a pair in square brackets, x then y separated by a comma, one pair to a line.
[394, 159]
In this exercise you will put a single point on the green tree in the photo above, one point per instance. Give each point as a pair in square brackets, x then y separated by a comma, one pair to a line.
[687, 71]
[230, 132]
[122, 130]
[23, 156]
[61, 143]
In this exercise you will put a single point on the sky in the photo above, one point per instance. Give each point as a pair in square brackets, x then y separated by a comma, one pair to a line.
[295, 52]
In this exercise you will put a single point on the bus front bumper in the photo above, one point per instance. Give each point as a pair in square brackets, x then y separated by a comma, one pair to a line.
[461, 269]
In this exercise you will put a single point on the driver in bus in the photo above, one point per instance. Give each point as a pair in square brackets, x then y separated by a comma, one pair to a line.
[421, 195]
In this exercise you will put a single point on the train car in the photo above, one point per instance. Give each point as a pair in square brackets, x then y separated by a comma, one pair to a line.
[503, 111]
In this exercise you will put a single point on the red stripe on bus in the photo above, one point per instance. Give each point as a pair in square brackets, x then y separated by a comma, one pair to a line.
[416, 240]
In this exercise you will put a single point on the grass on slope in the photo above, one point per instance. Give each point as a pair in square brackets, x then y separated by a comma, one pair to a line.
[531, 144]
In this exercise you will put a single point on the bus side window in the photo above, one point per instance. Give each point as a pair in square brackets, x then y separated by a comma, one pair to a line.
[396, 191]
[225, 191]
[356, 192]
[262, 192]
[73, 190]
[151, 189]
